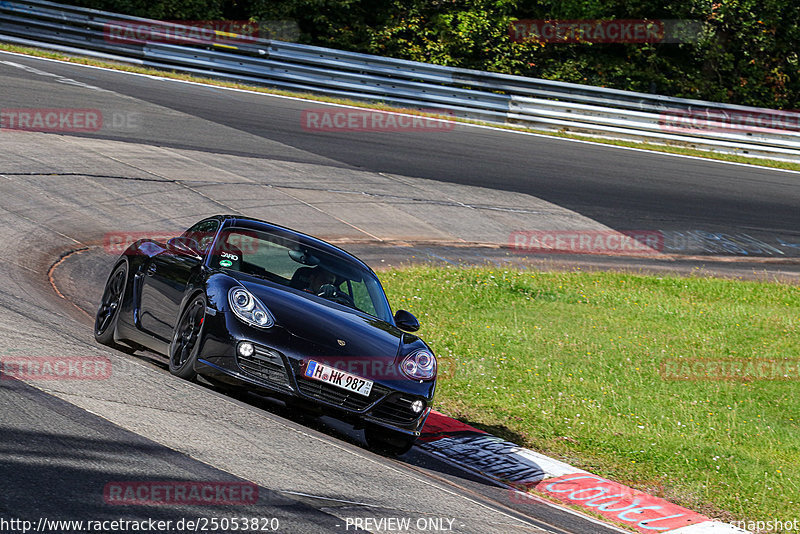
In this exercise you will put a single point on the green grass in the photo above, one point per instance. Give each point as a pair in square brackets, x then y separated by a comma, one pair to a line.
[669, 149]
[569, 364]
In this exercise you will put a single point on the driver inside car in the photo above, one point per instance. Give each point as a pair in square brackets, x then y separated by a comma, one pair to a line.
[319, 279]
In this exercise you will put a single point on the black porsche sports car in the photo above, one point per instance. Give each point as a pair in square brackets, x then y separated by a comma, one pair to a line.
[246, 303]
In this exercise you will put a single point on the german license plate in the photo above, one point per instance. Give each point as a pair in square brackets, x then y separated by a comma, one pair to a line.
[335, 377]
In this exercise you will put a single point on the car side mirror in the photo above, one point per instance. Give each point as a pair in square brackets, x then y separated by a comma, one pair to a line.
[185, 246]
[406, 321]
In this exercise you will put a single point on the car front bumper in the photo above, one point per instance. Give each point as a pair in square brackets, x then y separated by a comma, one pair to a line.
[276, 368]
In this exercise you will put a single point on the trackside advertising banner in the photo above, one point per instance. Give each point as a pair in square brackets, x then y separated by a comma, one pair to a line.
[619, 503]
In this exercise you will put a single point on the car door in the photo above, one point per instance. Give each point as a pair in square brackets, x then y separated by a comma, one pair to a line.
[166, 277]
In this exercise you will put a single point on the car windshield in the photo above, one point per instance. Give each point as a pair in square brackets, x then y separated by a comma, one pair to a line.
[309, 271]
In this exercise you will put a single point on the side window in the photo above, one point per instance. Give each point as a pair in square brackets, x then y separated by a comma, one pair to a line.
[362, 298]
[203, 232]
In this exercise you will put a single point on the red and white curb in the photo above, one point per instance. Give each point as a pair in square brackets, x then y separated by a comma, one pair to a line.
[522, 470]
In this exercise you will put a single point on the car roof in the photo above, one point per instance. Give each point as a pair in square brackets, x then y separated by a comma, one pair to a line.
[257, 224]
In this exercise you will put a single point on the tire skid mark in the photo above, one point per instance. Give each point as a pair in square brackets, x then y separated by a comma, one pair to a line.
[52, 281]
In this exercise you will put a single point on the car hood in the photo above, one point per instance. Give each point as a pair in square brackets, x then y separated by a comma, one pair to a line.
[331, 329]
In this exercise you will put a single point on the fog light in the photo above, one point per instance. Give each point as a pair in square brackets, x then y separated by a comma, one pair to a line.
[246, 349]
[417, 406]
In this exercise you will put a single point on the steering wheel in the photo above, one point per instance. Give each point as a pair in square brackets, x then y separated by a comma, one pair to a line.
[329, 291]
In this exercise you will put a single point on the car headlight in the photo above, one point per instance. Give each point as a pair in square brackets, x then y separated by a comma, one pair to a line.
[248, 308]
[419, 365]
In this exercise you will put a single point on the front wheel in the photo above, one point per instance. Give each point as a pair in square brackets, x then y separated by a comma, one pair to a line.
[105, 320]
[388, 442]
[186, 339]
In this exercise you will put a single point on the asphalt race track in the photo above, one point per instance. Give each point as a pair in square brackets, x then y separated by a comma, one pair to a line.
[623, 189]
[171, 153]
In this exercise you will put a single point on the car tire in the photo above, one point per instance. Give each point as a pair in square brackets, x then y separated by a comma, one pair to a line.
[186, 339]
[386, 441]
[105, 320]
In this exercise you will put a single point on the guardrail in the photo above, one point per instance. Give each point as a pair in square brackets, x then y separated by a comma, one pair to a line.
[486, 96]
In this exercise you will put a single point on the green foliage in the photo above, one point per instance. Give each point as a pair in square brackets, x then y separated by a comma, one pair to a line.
[745, 55]
[575, 364]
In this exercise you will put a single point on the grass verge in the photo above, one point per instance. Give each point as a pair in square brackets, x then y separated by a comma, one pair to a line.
[570, 364]
[668, 149]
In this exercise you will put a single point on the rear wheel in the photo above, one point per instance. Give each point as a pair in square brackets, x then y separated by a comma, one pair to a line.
[105, 320]
[387, 441]
[186, 339]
